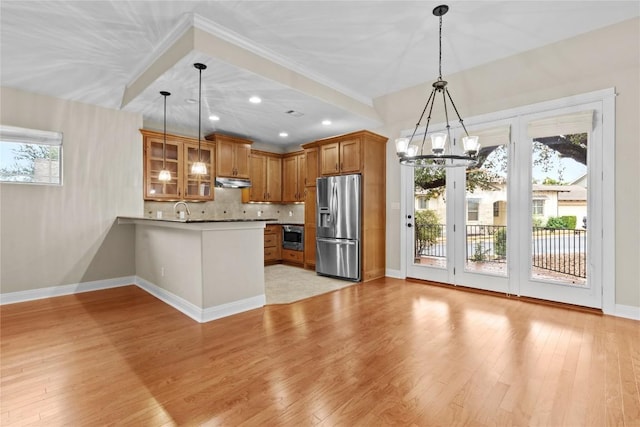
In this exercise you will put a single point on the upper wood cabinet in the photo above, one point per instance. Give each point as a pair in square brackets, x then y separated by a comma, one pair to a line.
[340, 157]
[293, 177]
[180, 153]
[311, 166]
[232, 155]
[198, 187]
[266, 178]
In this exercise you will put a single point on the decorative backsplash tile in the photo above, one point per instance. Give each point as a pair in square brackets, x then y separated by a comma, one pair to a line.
[228, 204]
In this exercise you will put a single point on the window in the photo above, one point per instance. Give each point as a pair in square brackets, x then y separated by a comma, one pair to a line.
[537, 207]
[496, 209]
[422, 203]
[30, 156]
[473, 206]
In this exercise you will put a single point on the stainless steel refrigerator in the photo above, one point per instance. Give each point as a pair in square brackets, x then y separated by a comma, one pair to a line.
[338, 226]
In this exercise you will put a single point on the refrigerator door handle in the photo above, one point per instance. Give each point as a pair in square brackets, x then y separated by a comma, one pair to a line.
[337, 241]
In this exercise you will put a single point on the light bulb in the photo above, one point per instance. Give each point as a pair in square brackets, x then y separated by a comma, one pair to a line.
[401, 146]
[198, 168]
[470, 144]
[412, 150]
[164, 175]
[438, 141]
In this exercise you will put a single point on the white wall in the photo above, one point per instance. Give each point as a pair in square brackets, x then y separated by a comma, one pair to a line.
[53, 236]
[609, 57]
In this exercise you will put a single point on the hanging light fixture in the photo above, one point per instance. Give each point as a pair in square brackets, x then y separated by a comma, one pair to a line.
[199, 167]
[411, 154]
[165, 174]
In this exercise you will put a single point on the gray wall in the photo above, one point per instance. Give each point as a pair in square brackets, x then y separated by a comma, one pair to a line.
[601, 59]
[53, 236]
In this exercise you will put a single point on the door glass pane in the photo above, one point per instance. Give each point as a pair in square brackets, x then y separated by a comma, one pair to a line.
[486, 206]
[430, 209]
[559, 208]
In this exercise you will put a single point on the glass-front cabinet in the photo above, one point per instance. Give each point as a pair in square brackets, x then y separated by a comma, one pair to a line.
[176, 155]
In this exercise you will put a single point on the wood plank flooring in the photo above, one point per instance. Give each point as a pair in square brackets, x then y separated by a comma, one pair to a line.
[386, 352]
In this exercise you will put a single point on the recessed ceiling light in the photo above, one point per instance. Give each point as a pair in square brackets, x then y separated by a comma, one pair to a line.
[255, 100]
[326, 122]
[214, 118]
[284, 134]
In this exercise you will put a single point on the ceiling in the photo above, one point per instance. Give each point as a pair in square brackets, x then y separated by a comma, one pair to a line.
[323, 59]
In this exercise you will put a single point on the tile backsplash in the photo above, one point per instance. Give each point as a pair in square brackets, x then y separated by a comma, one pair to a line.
[228, 204]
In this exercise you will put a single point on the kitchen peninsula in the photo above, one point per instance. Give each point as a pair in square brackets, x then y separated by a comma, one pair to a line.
[207, 269]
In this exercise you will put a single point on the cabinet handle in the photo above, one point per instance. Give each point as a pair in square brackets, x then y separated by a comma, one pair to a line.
[268, 196]
[336, 166]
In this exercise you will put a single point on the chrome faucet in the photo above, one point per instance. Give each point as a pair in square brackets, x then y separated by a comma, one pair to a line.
[186, 208]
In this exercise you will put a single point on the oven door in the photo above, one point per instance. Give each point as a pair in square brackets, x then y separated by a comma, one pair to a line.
[292, 238]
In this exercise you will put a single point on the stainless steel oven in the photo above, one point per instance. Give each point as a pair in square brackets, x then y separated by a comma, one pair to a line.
[293, 237]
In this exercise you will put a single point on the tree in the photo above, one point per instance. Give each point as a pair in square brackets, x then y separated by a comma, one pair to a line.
[492, 164]
[428, 229]
[25, 157]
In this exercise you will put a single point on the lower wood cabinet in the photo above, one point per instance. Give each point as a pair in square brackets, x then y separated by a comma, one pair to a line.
[293, 257]
[272, 243]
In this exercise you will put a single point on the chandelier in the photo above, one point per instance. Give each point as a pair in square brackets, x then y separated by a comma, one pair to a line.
[411, 154]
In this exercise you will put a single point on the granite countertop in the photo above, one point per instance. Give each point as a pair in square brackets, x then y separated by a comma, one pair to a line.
[199, 220]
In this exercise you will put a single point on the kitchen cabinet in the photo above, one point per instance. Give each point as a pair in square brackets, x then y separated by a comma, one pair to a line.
[265, 172]
[180, 153]
[340, 157]
[311, 166]
[310, 228]
[232, 155]
[198, 187]
[293, 177]
[360, 152]
[272, 243]
[292, 257]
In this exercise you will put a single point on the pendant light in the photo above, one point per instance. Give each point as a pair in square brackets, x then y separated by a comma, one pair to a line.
[199, 168]
[411, 154]
[165, 174]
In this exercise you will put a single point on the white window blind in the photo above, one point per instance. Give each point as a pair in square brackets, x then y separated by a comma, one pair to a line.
[569, 124]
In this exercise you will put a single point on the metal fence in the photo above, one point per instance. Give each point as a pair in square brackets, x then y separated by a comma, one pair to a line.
[559, 250]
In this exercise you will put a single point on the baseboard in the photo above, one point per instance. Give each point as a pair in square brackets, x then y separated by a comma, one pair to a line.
[224, 310]
[627, 311]
[56, 291]
[396, 274]
[180, 304]
[196, 313]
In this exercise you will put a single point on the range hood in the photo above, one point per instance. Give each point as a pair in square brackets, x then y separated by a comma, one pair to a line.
[232, 182]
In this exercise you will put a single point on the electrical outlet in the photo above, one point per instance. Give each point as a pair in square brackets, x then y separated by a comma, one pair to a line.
[162, 271]
[290, 213]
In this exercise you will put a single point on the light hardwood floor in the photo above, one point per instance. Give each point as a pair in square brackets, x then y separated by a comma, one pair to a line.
[379, 353]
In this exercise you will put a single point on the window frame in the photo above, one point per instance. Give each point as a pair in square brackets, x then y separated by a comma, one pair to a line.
[36, 138]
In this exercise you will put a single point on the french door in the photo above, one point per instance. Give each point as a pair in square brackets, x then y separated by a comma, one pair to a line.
[522, 222]
[457, 220]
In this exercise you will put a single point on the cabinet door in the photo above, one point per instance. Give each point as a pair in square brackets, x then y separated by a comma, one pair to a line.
[273, 176]
[154, 189]
[330, 159]
[350, 156]
[301, 175]
[289, 179]
[224, 158]
[258, 189]
[198, 187]
[310, 228]
[241, 160]
[311, 166]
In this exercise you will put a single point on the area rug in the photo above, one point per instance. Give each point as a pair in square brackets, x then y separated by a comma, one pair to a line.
[285, 284]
